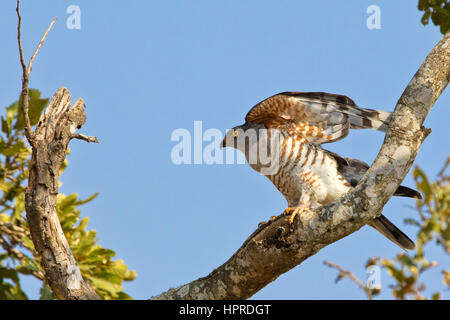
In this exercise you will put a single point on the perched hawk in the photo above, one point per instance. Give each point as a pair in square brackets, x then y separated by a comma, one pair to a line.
[293, 126]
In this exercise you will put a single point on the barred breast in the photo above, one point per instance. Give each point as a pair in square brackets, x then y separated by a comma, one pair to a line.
[303, 166]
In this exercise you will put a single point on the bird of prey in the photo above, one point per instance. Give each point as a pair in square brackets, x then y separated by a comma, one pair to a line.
[306, 174]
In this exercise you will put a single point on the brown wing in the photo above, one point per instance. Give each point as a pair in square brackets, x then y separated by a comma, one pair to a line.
[318, 116]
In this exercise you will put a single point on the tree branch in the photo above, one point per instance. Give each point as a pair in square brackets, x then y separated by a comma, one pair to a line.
[14, 253]
[26, 74]
[83, 137]
[55, 129]
[277, 246]
[16, 233]
[345, 273]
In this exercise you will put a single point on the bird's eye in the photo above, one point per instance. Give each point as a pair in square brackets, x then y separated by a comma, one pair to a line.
[235, 133]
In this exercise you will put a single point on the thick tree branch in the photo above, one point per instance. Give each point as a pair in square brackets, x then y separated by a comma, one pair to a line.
[277, 246]
[55, 129]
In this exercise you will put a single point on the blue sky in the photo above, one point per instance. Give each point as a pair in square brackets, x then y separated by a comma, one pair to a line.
[146, 68]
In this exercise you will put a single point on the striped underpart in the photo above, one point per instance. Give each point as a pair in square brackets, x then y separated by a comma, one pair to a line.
[304, 167]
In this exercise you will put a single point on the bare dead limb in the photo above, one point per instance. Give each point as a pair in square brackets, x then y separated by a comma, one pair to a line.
[277, 246]
[26, 73]
[55, 129]
[49, 143]
[83, 137]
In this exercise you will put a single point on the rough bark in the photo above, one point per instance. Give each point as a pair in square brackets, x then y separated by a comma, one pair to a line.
[278, 246]
[49, 143]
[53, 133]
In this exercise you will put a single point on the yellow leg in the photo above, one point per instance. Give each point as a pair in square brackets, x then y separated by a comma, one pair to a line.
[294, 211]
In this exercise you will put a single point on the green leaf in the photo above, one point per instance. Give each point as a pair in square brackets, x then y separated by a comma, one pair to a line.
[10, 190]
[412, 221]
[436, 296]
[123, 296]
[46, 293]
[11, 112]
[406, 260]
[13, 149]
[10, 292]
[6, 127]
[438, 10]
[19, 202]
[426, 17]
[66, 202]
[423, 4]
[120, 269]
[28, 266]
[80, 202]
[104, 284]
[35, 107]
[28, 243]
[3, 256]
[8, 273]
[422, 183]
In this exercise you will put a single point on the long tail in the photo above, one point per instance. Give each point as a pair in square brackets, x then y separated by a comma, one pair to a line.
[390, 231]
[403, 191]
[353, 170]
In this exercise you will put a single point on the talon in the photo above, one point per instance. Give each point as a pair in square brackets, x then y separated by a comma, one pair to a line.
[289, 210]
[294, 211]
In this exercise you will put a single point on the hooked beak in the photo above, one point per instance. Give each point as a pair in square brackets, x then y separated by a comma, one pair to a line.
[231, 134]
[223, 143]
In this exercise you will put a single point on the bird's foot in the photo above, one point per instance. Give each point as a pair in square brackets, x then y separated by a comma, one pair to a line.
[294, 211]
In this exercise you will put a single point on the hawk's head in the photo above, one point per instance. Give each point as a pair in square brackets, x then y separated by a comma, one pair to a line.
[252, 139]
[230, 139]
[245, 134]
